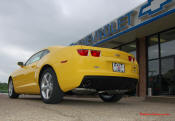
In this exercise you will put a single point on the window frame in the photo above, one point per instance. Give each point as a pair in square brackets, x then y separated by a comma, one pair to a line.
[41, 56]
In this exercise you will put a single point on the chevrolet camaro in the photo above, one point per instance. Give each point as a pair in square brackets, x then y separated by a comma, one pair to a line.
[56, 71]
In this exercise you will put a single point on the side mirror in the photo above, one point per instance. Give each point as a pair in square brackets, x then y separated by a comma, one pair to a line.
[21, 64]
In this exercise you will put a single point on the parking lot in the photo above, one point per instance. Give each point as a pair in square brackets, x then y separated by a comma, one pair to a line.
[31, 108]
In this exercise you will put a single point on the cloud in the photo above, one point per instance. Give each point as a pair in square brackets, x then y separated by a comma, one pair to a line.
[29, 25]
[16, 52]
[10, 55]
[2, 73]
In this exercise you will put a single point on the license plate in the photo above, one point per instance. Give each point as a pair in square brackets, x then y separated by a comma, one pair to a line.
[117, 67]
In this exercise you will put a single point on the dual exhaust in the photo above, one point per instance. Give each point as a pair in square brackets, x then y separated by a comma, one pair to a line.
[85, 91]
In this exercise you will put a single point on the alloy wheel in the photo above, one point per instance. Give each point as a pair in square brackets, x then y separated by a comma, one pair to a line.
[47, 86]
[10, 88]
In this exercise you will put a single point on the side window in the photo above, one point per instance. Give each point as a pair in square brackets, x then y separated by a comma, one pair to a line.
[45, 52]
[34, 58]
[37, 57]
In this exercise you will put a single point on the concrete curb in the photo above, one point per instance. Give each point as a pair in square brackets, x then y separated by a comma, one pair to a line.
[164, 99]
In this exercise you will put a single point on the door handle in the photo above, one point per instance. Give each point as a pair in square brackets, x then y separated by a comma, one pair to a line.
[33, 66]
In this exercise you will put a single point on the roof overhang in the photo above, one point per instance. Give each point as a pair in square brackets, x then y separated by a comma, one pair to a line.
[154, 25]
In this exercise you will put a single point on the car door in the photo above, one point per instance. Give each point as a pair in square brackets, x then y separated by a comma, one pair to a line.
[29, 84]
[18, 79]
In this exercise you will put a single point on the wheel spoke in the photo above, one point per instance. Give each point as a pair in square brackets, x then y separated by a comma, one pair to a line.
[47, 93]
[51, 87]
[44, 87]
[49, 78]
[45, 78]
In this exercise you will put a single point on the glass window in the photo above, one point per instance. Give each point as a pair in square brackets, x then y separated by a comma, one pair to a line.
[34, 58]
[153, 72]
[45, 52]
[153, 48]
[134, 53]
[167, 64]
[117, 48]
[37, 57]
[130, 48]
[161, 77]
[153, 68]
[167, 43]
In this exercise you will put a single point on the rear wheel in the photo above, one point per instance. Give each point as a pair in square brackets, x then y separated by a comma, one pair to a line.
[11, 91]
[49, 87]
[110, 98]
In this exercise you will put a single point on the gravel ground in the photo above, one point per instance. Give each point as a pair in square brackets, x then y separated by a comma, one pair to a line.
[31, 108]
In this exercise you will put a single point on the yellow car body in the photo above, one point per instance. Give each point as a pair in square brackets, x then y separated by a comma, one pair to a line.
[71, 68]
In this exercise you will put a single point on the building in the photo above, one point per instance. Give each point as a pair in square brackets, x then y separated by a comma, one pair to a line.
[148, 32]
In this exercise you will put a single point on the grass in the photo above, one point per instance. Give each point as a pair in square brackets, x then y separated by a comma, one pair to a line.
[3, 87]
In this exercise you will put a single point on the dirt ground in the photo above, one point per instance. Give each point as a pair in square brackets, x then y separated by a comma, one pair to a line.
[31, 108]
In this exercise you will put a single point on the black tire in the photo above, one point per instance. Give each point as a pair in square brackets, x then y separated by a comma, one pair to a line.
[110, 98]
[56, 94]
[11, 91]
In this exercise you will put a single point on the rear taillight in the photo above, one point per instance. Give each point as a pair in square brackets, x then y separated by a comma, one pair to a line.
[131, 59]
[83, 52]
[95, 53]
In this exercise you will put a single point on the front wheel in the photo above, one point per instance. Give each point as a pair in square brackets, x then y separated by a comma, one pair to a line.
[110, 98]
[11, 91]
[49, 88]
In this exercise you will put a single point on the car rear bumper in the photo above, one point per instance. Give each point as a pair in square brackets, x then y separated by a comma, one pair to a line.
[109, 83]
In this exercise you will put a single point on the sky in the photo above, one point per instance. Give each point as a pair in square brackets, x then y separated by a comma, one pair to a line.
[27, 26]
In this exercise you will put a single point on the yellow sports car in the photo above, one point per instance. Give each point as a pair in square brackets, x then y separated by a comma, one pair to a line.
[56, 71]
